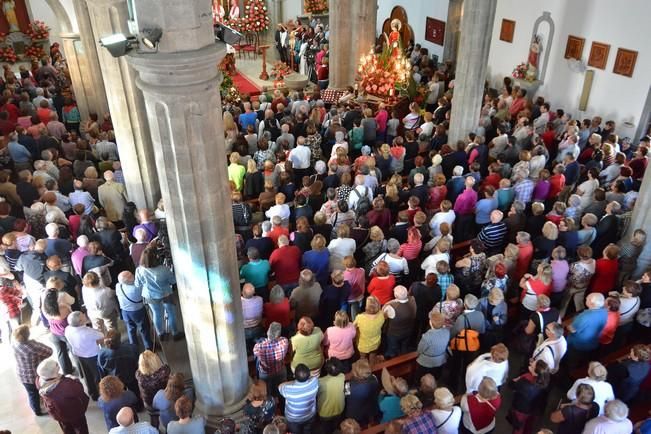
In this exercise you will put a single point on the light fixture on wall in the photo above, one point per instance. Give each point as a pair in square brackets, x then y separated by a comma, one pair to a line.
[227, 34]
[119, 44]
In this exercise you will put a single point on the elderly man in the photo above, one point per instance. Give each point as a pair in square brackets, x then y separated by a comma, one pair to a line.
[133, 310]
[145, 216]
[586, 328]
[359, 192]
[29, 353]
[64, 397]
[493, 235]
[252, 315]
[84, 344]
[104, 146]
[57, 246]
[614, 421]
[128, 425]
[82, 197]
[401, 315]
[256, 272]
[286, 135]
[523, 187]
[270, 354]
[300, 158]
[553, 347]
[456, 184]
[56, 128]
[300, 399]
[113, 197]
[32, 264]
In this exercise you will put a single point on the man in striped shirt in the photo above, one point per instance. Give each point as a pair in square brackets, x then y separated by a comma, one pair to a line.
[493, 235]
[300, 400]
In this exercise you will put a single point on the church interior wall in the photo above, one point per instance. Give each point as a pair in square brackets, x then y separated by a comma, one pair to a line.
[41, 10]
[612, 96]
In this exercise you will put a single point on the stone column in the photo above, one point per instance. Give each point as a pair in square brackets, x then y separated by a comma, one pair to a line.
[352, 33]
[181, 88]
[127, 106]
[90, 67]
[476, 30]
[452, 29]
[642, 220]
[70, 43]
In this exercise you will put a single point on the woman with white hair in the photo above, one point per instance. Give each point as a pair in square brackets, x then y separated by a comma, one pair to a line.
[614, 420]
[339, 143]
[603, 391]
[398, 265]
[479, 408]
[494, 364]
[446, 414]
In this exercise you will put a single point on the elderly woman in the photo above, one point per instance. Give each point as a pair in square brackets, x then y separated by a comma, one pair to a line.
[302, 236]
[253, 181]
[446, 415]
[494, 309]
[573, 416]
[369, 328]
[374, 248]
[305, 298]
[417, 421]
[603, 391]
[533, 286]
[356, 277]
[578, 279]
[100, 302]
[452, 306]
[560, 270]
[260, 406]
[307, 345]
[341, 247]
[318, 259]
[614, 420]
[472, 268]
[165, 398]
[629, 374]
[494, 364]
[382, 283]
[379, 215]
[362, 392]
[529, 389]
[155, 281]
[545, 243]
[432, 348]
[57, 313]
[606, 271]
[398, 265]
[152, 376]
[277, 309]
[480, 407]
[113, 397]
[339, 340]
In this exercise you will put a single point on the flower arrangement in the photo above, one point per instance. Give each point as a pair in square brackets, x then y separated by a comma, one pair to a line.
[279, 71]
[255, 18]
[520, 71]
[7, 54]
[315, 6]
[383, 74]
[227, 65]
[38, 30]
[35, 52]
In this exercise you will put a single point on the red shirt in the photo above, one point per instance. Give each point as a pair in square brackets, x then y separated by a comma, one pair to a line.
[605, 276]
[12, 110]
[43, 114]
[278, 312]
[286, 264]
[275, 233]
[557, 183]
[493, 180]
[382, 289]
[608, 332]
[482, 414]
[525, 255]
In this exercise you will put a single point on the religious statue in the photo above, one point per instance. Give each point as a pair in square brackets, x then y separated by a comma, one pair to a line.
[218, 12]
[393, 41]
[533, 59]
[9, 9]
[234, 12]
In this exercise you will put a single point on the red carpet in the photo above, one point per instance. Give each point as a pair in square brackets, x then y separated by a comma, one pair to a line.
[244, 85]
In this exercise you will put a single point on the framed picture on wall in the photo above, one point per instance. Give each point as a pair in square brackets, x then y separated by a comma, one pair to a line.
[599, 55]
[507, 30]
[574, 47]
[435, 31]
[625, 62]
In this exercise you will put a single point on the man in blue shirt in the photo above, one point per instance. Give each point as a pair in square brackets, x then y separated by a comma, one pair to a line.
[587, 326]
[248, 117]
[300, 399]
[19, 154]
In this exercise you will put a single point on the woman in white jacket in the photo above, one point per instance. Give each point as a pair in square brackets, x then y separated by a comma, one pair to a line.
[494, 364]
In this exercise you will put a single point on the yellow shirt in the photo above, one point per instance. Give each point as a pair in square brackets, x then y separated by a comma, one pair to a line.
[370, 331]
[236, 174]
[307, 349]
[331, 400]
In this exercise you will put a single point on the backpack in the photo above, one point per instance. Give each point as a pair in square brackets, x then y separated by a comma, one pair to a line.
[467, 339]
[363, 204]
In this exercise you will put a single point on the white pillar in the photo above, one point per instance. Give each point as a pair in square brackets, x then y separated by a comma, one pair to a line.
[641, 219]
[71, 43]
[476, 30]
[181, 88]
[127, 106]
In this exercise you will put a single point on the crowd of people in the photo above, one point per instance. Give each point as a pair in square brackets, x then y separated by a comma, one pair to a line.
[504, 260]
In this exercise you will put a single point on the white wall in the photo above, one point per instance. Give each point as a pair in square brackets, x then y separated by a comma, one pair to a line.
[291, 9]
[612, 96]
[417, 13]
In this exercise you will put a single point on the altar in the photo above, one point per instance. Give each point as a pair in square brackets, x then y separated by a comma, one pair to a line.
[20, 38]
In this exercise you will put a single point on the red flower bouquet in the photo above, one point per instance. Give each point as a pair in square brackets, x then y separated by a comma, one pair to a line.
[315, 6]
[38, 30]
[7, 54]
[35, 51]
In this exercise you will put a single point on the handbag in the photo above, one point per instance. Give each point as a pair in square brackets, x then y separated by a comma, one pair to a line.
[467, 339]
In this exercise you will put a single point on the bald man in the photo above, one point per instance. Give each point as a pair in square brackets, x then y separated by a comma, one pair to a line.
[125, 418]
[113, 197]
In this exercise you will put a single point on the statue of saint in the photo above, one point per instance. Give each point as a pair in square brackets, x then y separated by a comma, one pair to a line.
[218, 12]
[393, 41]
[9, 9]
[533, 59]
[234, 12]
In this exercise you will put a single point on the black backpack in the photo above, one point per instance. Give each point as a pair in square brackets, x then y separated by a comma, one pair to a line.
[271, 125]
[363, 204]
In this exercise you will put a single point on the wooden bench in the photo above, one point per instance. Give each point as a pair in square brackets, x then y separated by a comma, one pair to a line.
[611, 358]
[401, 366]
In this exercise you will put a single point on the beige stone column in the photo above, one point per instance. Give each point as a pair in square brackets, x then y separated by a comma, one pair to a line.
[476, 29]
[181, 88]
[71, 43]
[641, 219]
[127, 106]
[352, 33]
[89, 62]
[452, 31]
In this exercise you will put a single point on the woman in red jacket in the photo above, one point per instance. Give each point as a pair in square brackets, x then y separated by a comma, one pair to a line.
[382, 284]
[606, 269]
